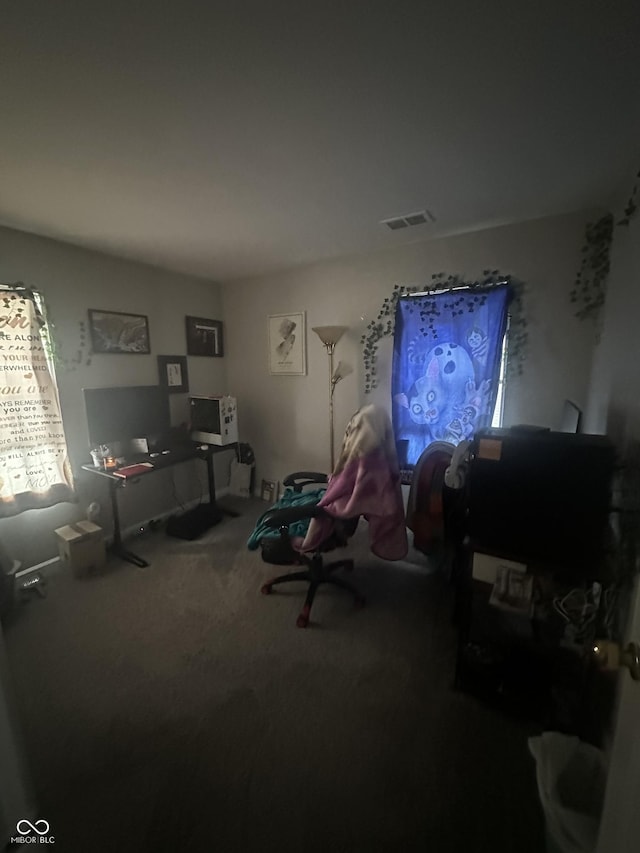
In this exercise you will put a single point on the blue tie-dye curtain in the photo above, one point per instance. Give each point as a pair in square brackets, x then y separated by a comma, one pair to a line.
[446, 366]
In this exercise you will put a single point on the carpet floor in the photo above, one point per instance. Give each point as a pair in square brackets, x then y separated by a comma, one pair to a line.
[175, 708]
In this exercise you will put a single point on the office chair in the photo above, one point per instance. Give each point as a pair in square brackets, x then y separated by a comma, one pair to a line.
[281, 550]
[365, 482]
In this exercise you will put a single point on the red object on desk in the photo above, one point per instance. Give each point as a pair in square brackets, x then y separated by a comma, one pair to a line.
[134, 470]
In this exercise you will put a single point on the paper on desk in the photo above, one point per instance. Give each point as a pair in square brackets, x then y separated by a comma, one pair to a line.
[133, 470]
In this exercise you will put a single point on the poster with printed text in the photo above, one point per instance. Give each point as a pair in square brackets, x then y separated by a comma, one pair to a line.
[34, 469]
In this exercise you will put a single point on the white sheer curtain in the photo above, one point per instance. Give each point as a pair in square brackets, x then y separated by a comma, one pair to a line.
[34, 465]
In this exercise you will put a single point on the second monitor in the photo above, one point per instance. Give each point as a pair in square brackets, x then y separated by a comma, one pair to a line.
[214, 420]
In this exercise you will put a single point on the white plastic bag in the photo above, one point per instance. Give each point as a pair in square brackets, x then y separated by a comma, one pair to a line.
[240, 480]
[571, 782]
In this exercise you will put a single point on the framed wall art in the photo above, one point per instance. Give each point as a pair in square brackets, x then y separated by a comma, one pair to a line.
[172, 370]
[268, 490]
[116, 332]
[287, 344]
[204, 337]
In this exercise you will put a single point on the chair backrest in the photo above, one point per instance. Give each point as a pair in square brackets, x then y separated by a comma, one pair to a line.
[365, 482]
[300, 479]
[425, 507]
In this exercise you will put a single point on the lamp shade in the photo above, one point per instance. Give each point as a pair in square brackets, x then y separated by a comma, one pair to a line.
[329, 334]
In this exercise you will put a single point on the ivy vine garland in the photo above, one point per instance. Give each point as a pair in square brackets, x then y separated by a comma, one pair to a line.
[384, 324]
[590, 288]
[631, 207]
[48, 333]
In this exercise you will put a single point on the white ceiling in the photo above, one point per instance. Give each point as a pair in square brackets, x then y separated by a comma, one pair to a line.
[231, 139]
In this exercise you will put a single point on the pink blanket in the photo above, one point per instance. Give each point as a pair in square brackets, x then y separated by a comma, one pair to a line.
[366, 482]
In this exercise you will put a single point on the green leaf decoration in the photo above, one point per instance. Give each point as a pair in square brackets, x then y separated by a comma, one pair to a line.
[517, 341]
[589, 298]
[589, 291]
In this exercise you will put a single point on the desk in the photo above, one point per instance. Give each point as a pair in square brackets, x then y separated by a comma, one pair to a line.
[166, 460]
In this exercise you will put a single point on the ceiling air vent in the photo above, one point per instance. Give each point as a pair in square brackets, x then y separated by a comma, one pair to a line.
[421, 217]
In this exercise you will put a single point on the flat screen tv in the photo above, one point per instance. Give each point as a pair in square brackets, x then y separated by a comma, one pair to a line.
[122, 413]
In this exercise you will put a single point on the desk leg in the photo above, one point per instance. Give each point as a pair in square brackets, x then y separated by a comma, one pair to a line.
[117, 547]
[211, 481]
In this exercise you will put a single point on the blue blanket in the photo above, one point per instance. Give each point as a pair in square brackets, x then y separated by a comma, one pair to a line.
[288, 499]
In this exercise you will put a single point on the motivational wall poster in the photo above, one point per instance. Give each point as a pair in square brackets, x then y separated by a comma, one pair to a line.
[33, 454]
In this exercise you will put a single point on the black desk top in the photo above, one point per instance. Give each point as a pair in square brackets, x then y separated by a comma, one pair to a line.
[180, 453]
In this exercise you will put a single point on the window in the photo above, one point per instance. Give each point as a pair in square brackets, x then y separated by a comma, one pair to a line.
[448, 365]
[34, 465]
[498, 411]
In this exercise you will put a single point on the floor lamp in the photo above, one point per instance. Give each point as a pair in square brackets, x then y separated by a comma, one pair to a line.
[330, 335]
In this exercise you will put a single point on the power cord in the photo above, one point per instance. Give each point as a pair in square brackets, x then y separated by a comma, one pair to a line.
[610, 612]
[175, 494]
[579, 608]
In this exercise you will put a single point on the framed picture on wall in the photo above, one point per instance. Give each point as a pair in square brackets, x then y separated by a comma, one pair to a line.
[173, 374]
[268, 490]
[287, 344]
[204, 337]
[115, 332]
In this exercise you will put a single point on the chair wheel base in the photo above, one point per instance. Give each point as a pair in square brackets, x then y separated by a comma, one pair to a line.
[314, 575]
[303, 619]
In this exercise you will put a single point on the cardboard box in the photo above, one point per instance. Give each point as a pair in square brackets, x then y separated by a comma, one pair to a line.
[486, 567]
[81, 547]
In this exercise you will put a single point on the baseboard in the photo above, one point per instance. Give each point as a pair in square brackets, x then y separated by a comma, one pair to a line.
[142, 526]
[43, 568]
[49, 566]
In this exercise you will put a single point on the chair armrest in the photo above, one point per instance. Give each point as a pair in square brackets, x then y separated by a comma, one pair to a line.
[304, 478]
[289, 515]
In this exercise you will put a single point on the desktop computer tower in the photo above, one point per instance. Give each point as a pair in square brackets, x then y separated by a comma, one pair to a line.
[214, 420]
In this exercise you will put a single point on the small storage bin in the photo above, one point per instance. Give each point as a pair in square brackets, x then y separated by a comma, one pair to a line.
[81, 547]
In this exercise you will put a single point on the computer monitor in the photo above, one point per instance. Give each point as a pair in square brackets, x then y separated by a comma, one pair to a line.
[119, 414]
